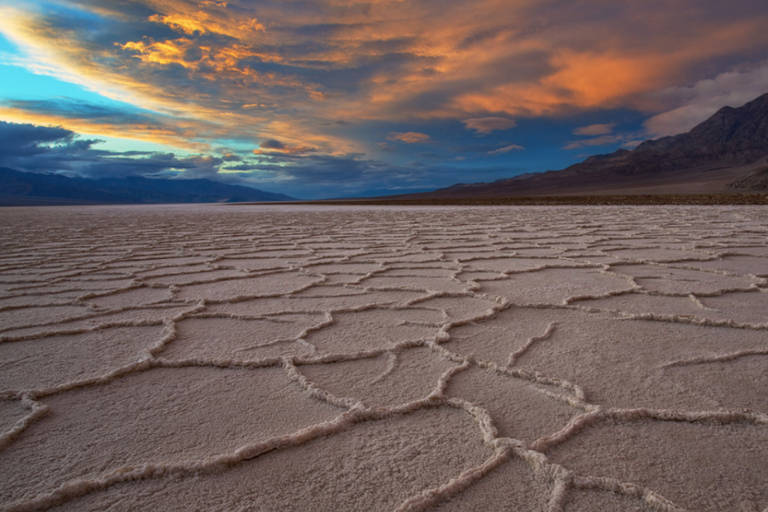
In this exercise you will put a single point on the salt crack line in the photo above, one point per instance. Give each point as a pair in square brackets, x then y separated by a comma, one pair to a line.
[244, 298]
[101, 326]
[35, 306]
[649, 497]
[195, 362]
[504, 448]
[684, 319]
[37, 410]
[698, 302]
[326, 322]
[170, 327]
[597, 296]
[579, 423]
[576, 396]
[80, 487]
[135, 285]
[563, 481]
[140, 365]
[514, 356]
[392, 363]
[724, 358]
[432, 497]
[303, 360]
[315, 391]
[716, 271]
[143, 363]
[97, 327]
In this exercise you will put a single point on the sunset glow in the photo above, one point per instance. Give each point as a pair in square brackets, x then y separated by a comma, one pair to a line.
[333, 97]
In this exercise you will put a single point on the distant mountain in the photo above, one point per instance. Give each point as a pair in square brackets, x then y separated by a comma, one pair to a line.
[25, 188]
[726, 153]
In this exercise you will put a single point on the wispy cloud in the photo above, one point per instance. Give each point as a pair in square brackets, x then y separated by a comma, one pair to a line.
[487, 125]
[506, 149]
[595, 129]
[698, 102]
[409, 137]
[201, 75]
[520, 59]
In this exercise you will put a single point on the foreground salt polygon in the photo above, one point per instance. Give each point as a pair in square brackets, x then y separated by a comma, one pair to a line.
[345, 358]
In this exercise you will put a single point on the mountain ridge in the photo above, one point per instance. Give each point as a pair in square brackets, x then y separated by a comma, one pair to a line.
[29, 189]
[727, 153]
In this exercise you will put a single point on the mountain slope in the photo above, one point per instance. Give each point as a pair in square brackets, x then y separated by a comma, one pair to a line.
[728, 151]
[22, 188]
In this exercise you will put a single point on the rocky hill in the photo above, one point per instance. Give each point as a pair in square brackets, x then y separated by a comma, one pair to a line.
[726, 153]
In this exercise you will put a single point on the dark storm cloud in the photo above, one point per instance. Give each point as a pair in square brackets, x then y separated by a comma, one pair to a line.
[42, 149]
[26, 140]
[272, 144]
[71, 108]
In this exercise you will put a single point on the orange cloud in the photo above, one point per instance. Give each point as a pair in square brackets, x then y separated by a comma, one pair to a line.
[595, 129]
[583, 80]
[409, 137]
[185, 24]
[486, 125]
[269, 69]
[593, 79]
[218, 60]
[162, 52]
[190, 19]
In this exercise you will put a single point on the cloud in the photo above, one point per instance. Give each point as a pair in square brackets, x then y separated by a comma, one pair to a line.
[203, 22]
[272, 144]
[43, 149]
[602, 135]
[409, 137]
[385, 60]
[275, 147]
[109, 119]
[230, 157]
[386, 146]
[506, 149]
[595, 129]
[26, 140]
[597, 141]
[487, 125]
[582, 80]
[626, 140]
[200, 75]
[698, 102]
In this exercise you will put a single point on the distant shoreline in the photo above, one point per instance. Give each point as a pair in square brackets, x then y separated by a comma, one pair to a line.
[604, 200]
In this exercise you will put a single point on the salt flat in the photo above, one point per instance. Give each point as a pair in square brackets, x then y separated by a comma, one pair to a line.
[225, 357]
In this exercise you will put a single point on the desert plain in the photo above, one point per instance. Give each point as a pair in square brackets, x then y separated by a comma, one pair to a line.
[332, 358]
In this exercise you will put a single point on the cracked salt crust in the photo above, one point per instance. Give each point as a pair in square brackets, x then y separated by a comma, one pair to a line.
[343, 358]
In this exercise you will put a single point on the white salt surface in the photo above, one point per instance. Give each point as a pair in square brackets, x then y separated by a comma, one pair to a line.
[346, 358]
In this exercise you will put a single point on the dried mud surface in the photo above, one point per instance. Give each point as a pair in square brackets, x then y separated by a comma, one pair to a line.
[298, 357]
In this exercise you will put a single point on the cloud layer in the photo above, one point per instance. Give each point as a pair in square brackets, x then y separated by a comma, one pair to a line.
[307, 80]
[32, 148]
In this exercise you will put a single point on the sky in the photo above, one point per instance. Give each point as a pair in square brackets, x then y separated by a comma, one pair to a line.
[342, 98]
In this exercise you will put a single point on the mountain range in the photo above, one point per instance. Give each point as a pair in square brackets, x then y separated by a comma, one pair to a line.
[727, 153]
[31, 189]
